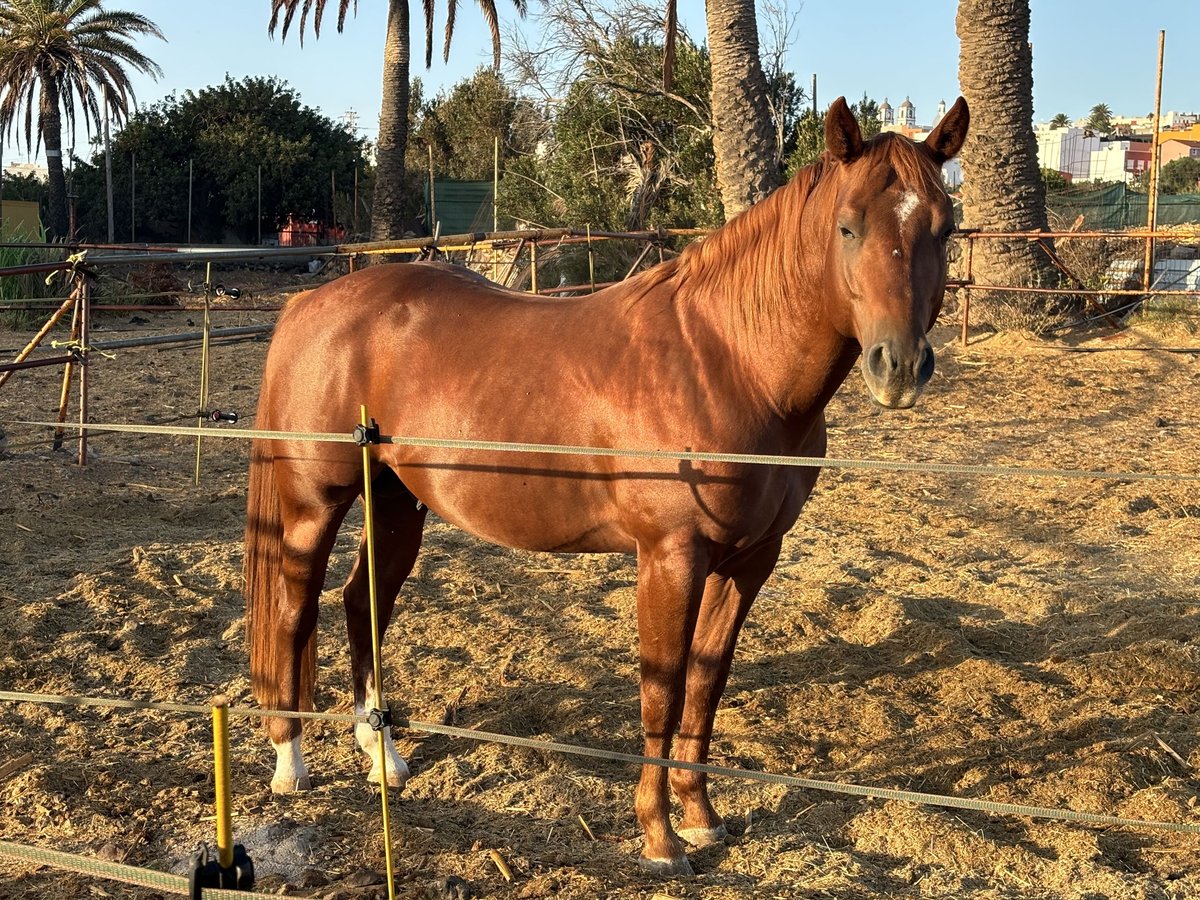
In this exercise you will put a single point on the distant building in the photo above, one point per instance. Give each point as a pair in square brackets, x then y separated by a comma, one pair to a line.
[1120, 160]
[21, 170]
[1171, 149]
[1172, 120]
[903, 120]
[1067, 151]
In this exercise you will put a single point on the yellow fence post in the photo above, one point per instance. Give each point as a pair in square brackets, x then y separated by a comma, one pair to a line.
[376, 653]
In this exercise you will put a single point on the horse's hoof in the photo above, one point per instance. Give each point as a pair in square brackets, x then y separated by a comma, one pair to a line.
[679, 867]
[703, 837]
[290, 785]
[396, 778]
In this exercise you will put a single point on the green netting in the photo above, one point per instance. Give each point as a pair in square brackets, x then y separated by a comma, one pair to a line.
[1117, 207]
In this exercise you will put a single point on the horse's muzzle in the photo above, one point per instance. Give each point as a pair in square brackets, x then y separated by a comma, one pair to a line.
[896, 371]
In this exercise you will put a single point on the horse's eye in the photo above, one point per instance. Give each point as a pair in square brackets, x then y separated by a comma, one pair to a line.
[846, 232]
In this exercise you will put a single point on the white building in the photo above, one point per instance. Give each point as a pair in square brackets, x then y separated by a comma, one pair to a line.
[20, 170]
[887, 115]
[1112, 161]
[1174, 119]
[1067, 150]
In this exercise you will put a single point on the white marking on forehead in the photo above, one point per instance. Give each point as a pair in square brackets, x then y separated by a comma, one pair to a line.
[907, 206]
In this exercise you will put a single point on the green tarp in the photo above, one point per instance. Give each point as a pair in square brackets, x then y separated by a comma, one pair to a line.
[1117, 207]
[461, 207]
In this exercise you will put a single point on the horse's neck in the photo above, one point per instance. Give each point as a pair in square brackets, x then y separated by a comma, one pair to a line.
[760, 281]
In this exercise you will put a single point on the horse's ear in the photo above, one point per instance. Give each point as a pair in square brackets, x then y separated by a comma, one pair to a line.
[843, 139]
[947, 138]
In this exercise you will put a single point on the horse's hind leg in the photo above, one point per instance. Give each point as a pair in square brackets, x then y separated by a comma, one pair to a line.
[398, 526]
[308, 537]
[728, 595]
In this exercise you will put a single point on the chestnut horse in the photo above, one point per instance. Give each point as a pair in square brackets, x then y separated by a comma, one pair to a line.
[736, 345]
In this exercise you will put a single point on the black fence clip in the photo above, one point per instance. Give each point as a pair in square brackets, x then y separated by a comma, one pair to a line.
[218, 415]
[366, 434]
[206, 872]
[380, 719]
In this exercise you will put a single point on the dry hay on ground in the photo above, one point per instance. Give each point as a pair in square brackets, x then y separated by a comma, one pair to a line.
[1020, 640]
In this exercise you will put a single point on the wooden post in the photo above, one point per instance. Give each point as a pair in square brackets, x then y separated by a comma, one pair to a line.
[108, 179]
[591, 260]
[85, 316]
[260, 204]
[533, 245]
[1152, 200]
[68, 370]
[133, 198]
[190, 175]
[432, 223]
[202, 410]
[495, 200]
[37, 338]
[966, 292]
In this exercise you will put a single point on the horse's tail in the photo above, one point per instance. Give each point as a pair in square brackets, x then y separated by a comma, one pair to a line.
[262, 570]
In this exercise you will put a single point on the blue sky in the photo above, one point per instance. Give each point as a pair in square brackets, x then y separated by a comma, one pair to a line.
[1085, 52]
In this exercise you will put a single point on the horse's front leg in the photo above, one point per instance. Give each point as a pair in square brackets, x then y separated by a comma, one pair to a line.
[670, 581]
[398, 528]
[728, 595]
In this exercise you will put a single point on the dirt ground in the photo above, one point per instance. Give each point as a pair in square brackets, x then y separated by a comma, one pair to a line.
[1022, 640]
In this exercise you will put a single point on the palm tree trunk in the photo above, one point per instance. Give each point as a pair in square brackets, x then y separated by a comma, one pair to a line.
[51, 126]
[1002, 184]
[387, 214]
[743, 135]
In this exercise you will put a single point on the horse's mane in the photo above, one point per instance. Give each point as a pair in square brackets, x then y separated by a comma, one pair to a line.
[754, 257]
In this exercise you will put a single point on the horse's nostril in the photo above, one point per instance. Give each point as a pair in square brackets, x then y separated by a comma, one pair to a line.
[880, 362]
[925, 365]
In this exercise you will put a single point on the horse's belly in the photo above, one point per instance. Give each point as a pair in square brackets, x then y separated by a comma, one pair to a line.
[521, 505]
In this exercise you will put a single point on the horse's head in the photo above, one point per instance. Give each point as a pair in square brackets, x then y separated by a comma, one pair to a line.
[886, 252]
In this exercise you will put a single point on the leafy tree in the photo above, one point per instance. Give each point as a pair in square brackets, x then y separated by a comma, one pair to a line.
[25, 187]
[63, 55]
[1180, 176]
[808, 143]
[1055, 180]
[462, 125]
[1100, 119]
[1060, 120]
[391, 182]
[619, 150]
[227, 132]
[866, 111]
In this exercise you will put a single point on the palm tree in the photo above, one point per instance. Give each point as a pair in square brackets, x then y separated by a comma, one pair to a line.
[55, 54]
[1060, 120]
[387, 213]
[1100, 118]
[1002, 184]
[744, 139]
